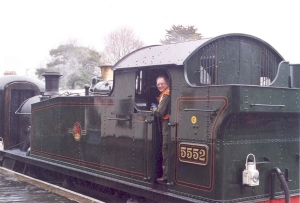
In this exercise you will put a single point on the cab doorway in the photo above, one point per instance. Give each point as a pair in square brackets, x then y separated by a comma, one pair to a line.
[147, 93]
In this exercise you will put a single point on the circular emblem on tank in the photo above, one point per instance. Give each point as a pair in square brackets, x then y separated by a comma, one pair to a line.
[194, 119]
[77, 131]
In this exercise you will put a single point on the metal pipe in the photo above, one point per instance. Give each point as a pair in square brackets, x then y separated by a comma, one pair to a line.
[87, 88]
[51, 82]
[282, 181]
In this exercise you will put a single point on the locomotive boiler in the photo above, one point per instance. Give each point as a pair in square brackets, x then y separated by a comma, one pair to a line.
[234, 120]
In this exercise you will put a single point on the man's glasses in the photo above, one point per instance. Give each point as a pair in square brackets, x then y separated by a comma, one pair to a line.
[160, 84]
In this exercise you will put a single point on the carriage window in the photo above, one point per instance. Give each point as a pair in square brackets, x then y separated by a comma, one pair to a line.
[139, 82]
[207, 69]
[140, 97]
[201, 67]
[264, 81]
[232, 62]
[204, 76]
[146, 91]
[268, 67]
[208, 65]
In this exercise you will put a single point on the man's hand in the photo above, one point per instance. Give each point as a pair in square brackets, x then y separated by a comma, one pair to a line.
[153, 107]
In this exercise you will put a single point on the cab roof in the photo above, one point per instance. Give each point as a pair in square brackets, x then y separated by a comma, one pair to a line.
[176, 54]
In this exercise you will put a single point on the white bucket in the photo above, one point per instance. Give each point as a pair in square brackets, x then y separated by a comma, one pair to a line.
[1, 144]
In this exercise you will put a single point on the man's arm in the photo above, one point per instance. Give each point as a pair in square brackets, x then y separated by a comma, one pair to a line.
[161, 110]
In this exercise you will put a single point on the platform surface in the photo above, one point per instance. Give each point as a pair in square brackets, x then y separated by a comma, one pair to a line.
[15, 187]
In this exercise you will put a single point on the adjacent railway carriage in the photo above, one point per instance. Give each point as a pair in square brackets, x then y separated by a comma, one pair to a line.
[234, 119]
[13, 91]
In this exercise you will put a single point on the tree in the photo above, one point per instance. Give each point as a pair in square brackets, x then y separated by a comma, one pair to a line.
[119, 43]
[40, 71]
[76, 63]
[179, 33]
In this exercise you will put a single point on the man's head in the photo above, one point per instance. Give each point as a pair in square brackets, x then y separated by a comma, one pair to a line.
[162, 83]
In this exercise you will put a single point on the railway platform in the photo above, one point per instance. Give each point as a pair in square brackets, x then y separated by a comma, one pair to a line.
[16, 187]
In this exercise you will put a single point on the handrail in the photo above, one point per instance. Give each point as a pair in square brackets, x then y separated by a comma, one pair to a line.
[141, 111]
[268, 105]
[119, 119]
[203, 110]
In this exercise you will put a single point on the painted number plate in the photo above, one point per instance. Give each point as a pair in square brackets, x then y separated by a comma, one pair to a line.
[193, 153]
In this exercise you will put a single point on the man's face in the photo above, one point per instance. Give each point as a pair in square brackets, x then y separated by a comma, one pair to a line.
[161, 84]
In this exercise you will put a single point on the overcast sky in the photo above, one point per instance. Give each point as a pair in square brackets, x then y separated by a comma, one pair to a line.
[29, 29]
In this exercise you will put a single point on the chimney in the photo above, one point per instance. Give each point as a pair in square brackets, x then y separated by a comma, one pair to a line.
[106, 72]
[51, 82]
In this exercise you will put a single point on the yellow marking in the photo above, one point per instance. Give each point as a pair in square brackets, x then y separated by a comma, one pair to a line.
[194, 119]
[77, 136]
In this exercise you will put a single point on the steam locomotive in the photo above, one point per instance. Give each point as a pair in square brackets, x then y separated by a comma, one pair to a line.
[234, 120]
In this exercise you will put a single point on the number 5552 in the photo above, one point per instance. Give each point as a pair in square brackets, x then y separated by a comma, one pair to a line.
[193, 153]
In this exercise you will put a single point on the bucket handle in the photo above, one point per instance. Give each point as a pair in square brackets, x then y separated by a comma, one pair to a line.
[253, 161]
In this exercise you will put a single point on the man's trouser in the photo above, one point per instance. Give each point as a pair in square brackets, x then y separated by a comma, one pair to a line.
[166, 133]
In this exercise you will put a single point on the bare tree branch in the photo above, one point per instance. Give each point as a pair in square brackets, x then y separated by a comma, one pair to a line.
[119, 43]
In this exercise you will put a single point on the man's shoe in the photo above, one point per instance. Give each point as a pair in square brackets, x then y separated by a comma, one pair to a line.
[161, 180]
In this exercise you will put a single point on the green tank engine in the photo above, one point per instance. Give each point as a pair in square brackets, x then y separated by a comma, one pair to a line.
[234, 120]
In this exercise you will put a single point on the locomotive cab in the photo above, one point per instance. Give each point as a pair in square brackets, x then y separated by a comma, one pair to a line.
[133, 119]
[216, 85]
